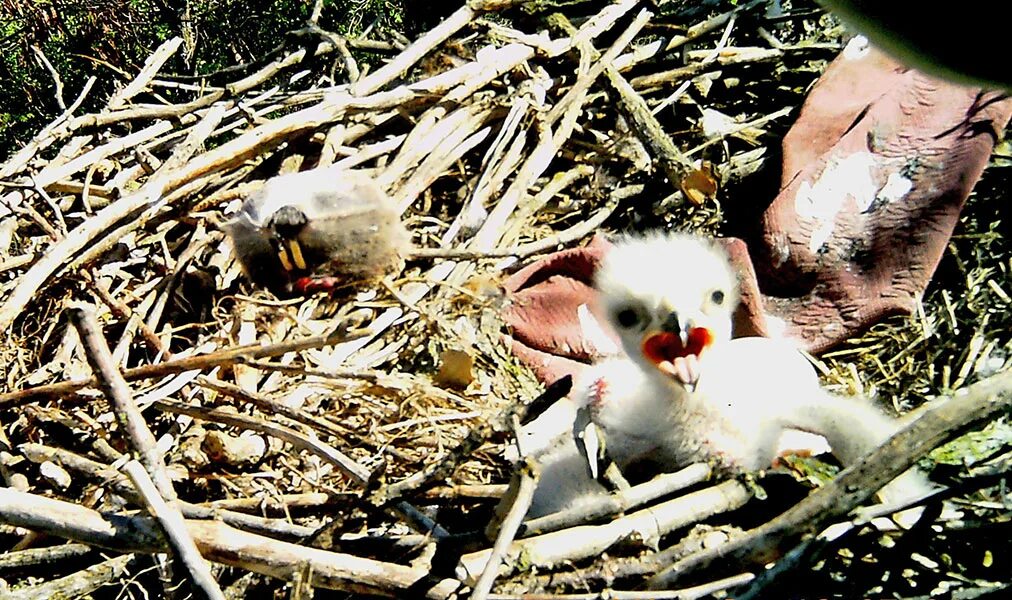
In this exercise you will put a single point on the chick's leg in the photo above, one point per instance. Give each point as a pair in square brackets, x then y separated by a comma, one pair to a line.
[565, 482]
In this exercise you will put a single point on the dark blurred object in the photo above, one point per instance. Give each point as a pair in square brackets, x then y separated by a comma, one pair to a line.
[965, 42]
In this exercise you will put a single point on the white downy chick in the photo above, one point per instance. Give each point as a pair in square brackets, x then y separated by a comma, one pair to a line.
[317, 225]
[684, 391]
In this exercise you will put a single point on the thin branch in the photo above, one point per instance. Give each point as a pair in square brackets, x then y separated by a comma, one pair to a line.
[152, 65]
[619, 501]
[149, 473]
[548, 244]
[582, 542]
[345, 464]
[180, 365]
[58, 82]
[528, 474]
[117, 483]
[76, 585]
[174, 527]
[222, 544]
[120, 398]
[944, 420]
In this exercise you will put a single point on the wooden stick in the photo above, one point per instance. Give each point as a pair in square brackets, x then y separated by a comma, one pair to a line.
[76, 585]
[222, 544]
[43, 139]
[344, 463]
[174, 527]
[152, 65]
[19, 560]
[586, 541]
[634, 107]
[108, 477]
[704, 590]
[148, 473]
[425, 44]
[120, 398]
[181, 365]
[620, 501]
[529, 475]
[943, 421]
[548, 244]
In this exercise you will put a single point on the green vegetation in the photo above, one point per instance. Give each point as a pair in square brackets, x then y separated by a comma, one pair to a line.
[110, 39]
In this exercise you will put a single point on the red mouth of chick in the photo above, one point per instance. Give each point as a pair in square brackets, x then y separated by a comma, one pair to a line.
[681, 361]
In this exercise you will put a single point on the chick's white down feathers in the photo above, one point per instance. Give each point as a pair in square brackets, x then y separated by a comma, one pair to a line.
[743, 394]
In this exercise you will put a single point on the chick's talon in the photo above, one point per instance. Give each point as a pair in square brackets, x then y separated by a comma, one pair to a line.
[589, 442]
[613, 478]
[751, 482]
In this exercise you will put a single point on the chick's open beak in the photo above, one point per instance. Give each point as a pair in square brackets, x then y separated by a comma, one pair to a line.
[677, 354]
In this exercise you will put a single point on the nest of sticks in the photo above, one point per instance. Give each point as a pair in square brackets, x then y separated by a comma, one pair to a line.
[157, 405]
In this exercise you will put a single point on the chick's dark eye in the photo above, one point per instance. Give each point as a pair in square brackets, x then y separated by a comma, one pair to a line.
[627, 318]
[717, 297]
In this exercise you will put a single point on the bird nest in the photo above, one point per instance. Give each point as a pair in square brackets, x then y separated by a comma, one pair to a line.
[354, 440]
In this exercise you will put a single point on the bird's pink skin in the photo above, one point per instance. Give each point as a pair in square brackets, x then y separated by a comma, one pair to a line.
[311, 285]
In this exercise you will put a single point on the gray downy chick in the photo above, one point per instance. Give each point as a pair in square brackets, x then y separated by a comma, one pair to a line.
[316, 230]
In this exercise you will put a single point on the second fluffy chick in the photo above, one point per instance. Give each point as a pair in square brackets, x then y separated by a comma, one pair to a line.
[315, 229]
